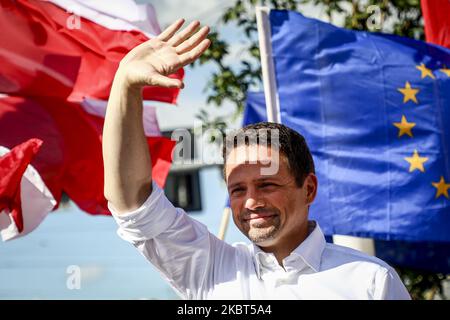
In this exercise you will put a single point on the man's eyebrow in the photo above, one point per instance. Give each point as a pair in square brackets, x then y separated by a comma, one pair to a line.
[234, 185]
[262, 179]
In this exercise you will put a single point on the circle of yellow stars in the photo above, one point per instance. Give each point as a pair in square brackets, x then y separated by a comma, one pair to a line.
[416, 162]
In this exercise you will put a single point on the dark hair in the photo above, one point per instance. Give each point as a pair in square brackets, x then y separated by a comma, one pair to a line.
[290, 143]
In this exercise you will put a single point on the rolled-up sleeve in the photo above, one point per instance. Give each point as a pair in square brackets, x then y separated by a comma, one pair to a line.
[152, 218]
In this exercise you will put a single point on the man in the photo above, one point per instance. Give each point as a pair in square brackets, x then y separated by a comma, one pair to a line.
[270, 177]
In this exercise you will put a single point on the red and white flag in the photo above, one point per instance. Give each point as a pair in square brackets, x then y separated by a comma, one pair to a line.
[72, 48]
[70, 159]
[19, 181]
[59, 58]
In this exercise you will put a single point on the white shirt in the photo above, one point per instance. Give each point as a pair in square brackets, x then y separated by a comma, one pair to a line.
[200, 266]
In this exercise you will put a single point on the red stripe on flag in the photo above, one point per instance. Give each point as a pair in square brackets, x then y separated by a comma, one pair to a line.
[22, 119]
[436, 15]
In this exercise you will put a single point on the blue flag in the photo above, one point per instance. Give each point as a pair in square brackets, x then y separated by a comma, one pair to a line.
[375, 110]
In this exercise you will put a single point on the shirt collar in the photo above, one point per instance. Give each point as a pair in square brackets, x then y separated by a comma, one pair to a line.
[310, 250]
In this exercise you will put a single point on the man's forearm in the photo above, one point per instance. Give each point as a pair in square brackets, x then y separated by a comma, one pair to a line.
[126, 155]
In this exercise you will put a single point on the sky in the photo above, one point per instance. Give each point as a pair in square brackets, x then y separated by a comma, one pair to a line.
[40, 265]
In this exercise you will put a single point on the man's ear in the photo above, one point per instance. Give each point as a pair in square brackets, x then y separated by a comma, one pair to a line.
[310, 185]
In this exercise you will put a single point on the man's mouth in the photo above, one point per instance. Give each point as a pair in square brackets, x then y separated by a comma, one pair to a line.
[259, 217]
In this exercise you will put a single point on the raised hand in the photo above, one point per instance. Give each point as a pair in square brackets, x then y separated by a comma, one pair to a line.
[127, 161]
[151, 62]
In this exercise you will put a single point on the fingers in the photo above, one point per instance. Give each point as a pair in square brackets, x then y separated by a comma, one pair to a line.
[195, 52]
[170, 30]
[163, 81]
[184, 34]
[194, 41]
[188, 44]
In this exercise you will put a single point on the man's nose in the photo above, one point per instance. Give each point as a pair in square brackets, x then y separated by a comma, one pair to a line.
[253, 200]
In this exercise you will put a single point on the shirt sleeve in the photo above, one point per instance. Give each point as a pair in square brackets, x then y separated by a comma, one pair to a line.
[181, 248]
[153, 217]
[389, 286]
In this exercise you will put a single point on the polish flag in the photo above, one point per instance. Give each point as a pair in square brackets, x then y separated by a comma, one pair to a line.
[70, 158]
[72, 48]
[59, 58]
[437, 21]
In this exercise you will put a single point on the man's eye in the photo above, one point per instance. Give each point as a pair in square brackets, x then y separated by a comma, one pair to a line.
[237, 190]
[266, 185]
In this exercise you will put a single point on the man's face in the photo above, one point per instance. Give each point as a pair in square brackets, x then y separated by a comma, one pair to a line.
[267, 208]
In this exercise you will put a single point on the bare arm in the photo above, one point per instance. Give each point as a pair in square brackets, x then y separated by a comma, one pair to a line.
[126, 156]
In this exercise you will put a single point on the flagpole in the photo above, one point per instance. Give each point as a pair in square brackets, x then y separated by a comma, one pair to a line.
[224, 223]
[267, 66]
[273, 109]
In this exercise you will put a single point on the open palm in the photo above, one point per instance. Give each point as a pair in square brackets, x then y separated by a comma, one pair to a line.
[151, 62]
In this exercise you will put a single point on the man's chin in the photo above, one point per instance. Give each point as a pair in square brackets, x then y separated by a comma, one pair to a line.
[262, 236]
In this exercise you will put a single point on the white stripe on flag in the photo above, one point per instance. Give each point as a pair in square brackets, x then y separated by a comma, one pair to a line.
[98, 108]
[37, 201]
[122, 15]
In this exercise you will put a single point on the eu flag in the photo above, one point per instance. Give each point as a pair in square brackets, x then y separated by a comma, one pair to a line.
[423, 255]
[375, 110]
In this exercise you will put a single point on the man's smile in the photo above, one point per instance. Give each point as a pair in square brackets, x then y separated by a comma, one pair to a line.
[259, 217]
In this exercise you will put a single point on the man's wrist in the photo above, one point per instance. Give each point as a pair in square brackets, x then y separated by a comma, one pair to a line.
[123, 85]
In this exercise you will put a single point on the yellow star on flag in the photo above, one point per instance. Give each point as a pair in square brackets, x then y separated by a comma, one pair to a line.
[404, 127]
[425, 72]
[446, 71]
[408, 93]
[416, 162]
[442, 188]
